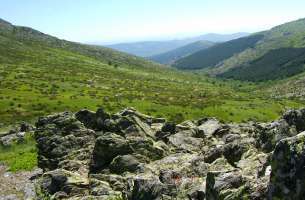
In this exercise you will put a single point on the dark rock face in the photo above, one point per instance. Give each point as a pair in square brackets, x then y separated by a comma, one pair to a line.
[288, 174]
[292, 123]
[128, 155]
[121, 164]
[296, 118]
[223, 184]
[63, 142]
[148, 189]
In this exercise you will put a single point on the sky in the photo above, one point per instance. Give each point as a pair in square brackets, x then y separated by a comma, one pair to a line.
[112, 21]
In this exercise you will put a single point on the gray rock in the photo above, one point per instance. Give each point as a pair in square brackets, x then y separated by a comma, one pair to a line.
[61, 138]
[213, 154]
[287, 169]
[146, 189]
[128, 155]
[223, 185]
[296, 118]
[106, 148]
[209, 126]
[125, 163]
[182, 141]
[9, 197]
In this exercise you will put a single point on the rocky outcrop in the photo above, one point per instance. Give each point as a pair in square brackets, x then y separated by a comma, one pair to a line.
[16, 134]
[128, 155]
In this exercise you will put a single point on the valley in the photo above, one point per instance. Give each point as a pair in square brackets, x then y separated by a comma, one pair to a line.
[41, 75]
[208, 117]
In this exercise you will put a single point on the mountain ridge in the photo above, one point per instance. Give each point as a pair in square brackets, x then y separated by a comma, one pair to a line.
[151, 48]
[176, 54]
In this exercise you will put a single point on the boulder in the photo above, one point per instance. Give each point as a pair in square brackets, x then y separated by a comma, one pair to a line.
[197, 194]
[146, 189]
[110, 145]
[213, 154]
[268, 135]
[61, 138]
[125, 163]
[209, 126]
[107, 147]
[88, 118]
[183, 141]
[287, 169]
[233, 152]
[224, 185]
[62, 182]
[295, 118]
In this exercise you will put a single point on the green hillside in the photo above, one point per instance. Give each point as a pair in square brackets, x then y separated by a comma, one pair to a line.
[276, 64]
[278, 50]
[40, 74]
[176, 54]
[35, 38]
[212, 56]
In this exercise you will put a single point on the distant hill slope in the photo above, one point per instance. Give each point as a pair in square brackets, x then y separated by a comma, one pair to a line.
[152, 48]
[176, 54]
[276, 64]
[212, 56]
[268, 55]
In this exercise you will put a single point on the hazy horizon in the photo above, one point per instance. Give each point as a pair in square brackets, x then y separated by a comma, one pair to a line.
[161, 38]
[122, 21]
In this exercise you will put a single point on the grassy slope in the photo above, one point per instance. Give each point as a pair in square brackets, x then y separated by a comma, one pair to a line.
[176, 54]
[255, 60]
[216, 54]
[43, 76]
[276, 64]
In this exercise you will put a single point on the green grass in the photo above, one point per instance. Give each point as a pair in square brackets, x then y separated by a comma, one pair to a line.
[21, 156]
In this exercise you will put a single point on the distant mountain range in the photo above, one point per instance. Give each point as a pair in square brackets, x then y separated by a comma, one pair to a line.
[176, 54]
[269, 55]
[152, 48]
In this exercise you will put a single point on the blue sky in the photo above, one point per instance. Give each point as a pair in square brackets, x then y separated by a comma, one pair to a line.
[132, 20]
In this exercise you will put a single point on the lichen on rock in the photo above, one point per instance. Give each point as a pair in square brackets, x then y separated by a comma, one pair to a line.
[132, 156]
